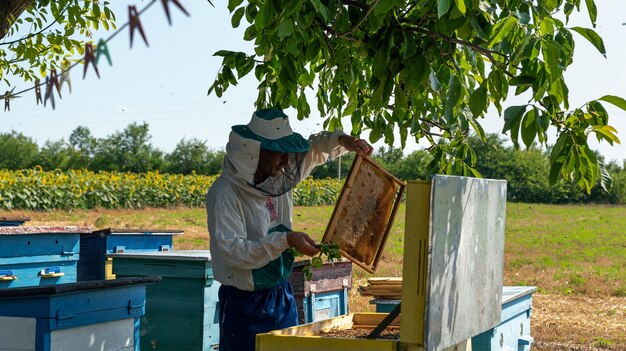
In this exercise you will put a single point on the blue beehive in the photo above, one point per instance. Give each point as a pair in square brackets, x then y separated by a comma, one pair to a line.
[513, 332]
[93, 264]
[84, 316]
[38, 255]
[181, 310]
[12, 221]
[325, 295]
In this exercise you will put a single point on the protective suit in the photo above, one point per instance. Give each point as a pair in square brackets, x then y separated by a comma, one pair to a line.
[248, 224]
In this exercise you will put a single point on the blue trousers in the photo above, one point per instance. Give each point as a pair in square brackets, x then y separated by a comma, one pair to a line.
[243, 314]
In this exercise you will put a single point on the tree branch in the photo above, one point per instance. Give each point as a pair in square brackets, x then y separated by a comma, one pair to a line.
[356, 26]
[485, 52]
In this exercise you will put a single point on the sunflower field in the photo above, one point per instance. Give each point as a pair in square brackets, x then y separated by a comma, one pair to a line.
[36, 189]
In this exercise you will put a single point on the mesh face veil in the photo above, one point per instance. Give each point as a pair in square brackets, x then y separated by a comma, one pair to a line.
[288, 177]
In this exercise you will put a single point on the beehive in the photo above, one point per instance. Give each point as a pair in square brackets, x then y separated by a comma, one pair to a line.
[325, 295]
[93, 315]
[12, 221]
[93, 263]
[181, 310]
[452, 271]
[39, 255]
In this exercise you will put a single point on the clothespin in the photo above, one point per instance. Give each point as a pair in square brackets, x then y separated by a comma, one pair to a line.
[102, 48]
[65, 77]
[38, 91]
[90, 58]
[167, 9]
[49, 94]
[134, 22]
[7, 99]
[54, 80]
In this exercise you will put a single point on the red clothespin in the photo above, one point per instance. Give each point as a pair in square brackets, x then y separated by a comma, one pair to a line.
[90, 58]
[65, 77]
[134, 22]
[7, 99]
[102, 48]
[54, 80]
[38, 91]
[167, 9]
[49, 93]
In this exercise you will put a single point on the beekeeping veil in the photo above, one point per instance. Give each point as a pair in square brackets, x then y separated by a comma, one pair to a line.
[270, 127]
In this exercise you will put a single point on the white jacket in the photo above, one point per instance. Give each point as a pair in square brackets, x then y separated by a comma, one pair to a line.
[239, 217]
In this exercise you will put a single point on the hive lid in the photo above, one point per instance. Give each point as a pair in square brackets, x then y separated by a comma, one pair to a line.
[14, 219]
[44, 230]
[184, 255]
[44, 290]
[364, 213]
[144, 231]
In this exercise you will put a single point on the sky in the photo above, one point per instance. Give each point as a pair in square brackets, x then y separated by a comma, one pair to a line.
[165, 84]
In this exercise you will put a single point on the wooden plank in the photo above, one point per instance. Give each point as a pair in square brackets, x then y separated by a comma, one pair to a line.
[268, 342]
[414, 264]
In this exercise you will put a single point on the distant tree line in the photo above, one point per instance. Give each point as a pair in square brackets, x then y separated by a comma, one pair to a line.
[131, 150]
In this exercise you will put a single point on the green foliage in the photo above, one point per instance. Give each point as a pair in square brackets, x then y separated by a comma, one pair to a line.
[428, 70]
[193, 156]
[17, 151]
[49, 35]
[328, 251]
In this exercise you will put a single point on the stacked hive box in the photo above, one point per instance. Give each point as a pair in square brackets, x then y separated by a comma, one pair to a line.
[39, 255]
[12, 221]
[93, 263]
[325, 295]
[93, 315]
[181, 310]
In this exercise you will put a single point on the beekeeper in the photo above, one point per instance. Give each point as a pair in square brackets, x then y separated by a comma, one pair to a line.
[249, 219]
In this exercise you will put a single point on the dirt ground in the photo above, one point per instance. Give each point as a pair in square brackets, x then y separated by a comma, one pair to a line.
[578, 323]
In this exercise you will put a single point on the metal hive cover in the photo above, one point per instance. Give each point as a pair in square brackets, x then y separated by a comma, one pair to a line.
[466, 259]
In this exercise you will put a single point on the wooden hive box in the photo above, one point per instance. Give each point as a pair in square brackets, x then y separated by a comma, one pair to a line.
[364, 213]
[326, 294]
[94, 315]
[13, 221]
[93, 263]
[181, 310]
[39, 255]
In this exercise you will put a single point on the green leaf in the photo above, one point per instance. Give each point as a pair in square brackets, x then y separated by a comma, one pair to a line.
[615, 100]
[453, 96]
[529, 127]
[384, 6]
[460, 5]
[236, 19]
[592, 37]
[593, 11]
[502, 29]
[443, 6]
[321, 9]
[479, 101]
[512, 120]
[606, 182]
[522, 80]
[232, 4]
[551, 59]
[607, 133]
[284, 29]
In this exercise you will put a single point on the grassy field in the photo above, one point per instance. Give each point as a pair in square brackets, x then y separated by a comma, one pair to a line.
[570, 253]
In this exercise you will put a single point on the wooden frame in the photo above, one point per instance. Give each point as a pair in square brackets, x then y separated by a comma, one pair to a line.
[364, 213]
